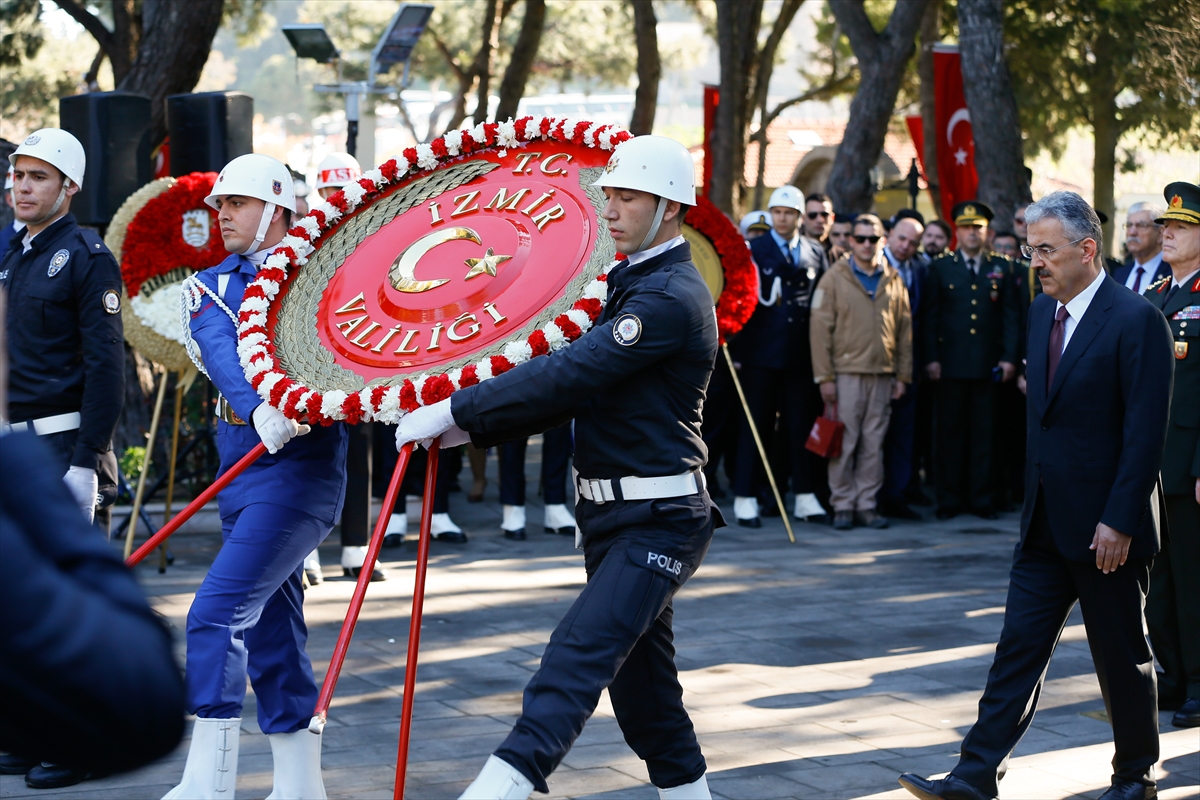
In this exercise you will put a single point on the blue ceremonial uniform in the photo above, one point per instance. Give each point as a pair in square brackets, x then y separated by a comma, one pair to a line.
[248, 617]
[635, 386]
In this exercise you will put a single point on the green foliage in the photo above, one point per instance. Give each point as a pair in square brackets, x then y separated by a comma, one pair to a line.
[131, 462]
[22, 35]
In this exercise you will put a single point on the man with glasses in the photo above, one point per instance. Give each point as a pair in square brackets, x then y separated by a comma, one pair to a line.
[1099, 388]
[971, 337]
[818, 219]
[1143, 242]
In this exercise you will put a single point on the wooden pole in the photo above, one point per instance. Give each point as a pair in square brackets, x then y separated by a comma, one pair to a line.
[137, 498]
[762, 451]
[179, 390]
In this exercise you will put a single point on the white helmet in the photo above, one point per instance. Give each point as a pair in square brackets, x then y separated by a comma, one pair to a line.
[656, 165]
[57, 148]
[338, 169]
[787, 197]
[755, 219]
[261, 177]
[8, 181]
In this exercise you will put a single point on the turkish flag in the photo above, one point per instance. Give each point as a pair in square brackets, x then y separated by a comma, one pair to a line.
[955, 140]
[712, 98]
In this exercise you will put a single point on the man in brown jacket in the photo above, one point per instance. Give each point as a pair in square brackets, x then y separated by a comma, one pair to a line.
[861, 333]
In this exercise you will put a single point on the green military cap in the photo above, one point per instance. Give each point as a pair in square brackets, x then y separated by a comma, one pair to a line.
[1183, 203]
[971, 212]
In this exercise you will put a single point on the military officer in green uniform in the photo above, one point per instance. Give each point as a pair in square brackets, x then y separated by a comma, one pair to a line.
[1173, 605]
[971, 335]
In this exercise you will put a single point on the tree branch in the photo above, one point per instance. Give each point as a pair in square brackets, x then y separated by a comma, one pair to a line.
[833, 83]
[90, 22]
[766, 56]
[458, 71]
[852, 19]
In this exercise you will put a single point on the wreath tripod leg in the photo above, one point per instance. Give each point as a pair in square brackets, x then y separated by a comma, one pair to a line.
[141, 487]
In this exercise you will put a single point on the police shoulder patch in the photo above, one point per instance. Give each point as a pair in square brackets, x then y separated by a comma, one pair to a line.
[627, 329]
[111, 301]
[57, 262]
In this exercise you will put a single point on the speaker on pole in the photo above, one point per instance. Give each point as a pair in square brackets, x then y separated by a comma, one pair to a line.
[208, 130]
[114, 128]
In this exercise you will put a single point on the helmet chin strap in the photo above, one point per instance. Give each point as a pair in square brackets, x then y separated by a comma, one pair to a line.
[62, 195]
[658, 217]
[263, 224]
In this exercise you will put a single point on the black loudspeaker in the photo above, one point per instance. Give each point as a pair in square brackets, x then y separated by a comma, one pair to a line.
[114, 128]
[208, 130]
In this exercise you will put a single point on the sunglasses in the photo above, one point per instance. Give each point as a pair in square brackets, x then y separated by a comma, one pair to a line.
[815, 214]
[865, 239]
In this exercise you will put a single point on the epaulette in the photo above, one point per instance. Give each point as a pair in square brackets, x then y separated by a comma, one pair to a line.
[994, 254]
[92, 240]
[1159, 284]
[1196, 285]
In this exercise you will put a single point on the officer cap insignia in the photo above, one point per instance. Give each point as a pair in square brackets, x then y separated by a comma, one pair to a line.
[1176, 202]
[57, 262]
[612, 164]
[970, 210]
[111, 301]
[33, 139]
[276, 187]
[627, 330]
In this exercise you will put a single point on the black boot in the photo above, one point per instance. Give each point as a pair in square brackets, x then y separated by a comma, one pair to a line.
[12, 764]
[55, 776]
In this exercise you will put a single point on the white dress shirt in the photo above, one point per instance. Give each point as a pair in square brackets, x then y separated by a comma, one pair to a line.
[642, 255]
[1186, 279]
[1078, 306]
[1150, 267]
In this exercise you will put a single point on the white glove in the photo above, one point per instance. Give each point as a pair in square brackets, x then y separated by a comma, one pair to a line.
[84, 486]
[274, 428]
[425, 423]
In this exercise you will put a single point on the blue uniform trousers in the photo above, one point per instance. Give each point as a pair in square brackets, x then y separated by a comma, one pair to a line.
[898, 446]
[248, 619]
[556, 452]
[618, 636]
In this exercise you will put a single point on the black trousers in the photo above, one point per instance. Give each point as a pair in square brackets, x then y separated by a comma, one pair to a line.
[556, 454]
[62, 445]
[1043, 588]
[796, 400]
[719, 428]
[964, 420]
[1173, 608]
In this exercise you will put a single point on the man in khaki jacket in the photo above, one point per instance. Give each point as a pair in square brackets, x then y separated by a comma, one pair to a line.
[861, 333]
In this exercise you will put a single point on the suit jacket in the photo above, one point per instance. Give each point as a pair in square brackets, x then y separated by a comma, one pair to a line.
[776, 336]
[1095, 437]
[969, 321]
[1181, 458]
[1120, 274]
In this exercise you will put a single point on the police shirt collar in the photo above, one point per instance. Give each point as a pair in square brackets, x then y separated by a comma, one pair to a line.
[782, 242]
[645, 255]
[39, 241]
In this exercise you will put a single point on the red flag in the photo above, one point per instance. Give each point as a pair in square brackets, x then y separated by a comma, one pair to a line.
[955, 140]
[712, 96]
[916, 130]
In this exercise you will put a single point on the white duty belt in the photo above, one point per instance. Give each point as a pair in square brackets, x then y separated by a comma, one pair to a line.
[46, 425]
[606, 490]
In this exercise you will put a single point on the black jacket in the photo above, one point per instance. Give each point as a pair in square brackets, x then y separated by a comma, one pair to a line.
[970, 321]
[1181, 458]
[776, 336]
[66, 348]
[636, 397]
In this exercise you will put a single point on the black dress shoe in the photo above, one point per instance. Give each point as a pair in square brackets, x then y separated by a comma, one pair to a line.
[13, 764]
[53, 776]
[516, 536]
[917, 498]
[753, 522]
[561, 531]
[1188, 715]
[451, 537]
[986, 513]
[393, 539]
[947, 788]
[898, 509]
[353, 572]
[947, 513]
[1129, 790]
[770, 509]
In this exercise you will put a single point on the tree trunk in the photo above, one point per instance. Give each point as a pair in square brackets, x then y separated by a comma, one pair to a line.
[762, 84]
[931, 24]
[481, 68]
[999, 160]
[649, 67]
[174, 48]
[881, 61]
[512, 88]
[737, 37]
[126, 38]
[1107, 130]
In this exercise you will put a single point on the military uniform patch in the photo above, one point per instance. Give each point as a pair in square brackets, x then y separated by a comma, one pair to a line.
[627, 330]
[1181, 350]
[111, 301]
[57, 262]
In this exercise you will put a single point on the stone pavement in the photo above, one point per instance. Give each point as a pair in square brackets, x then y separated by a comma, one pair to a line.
[817, 670]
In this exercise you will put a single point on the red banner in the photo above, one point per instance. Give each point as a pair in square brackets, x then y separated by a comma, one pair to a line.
[955, 140]
[712, 96]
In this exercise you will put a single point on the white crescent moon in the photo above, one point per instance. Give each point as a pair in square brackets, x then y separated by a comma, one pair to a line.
[962, 115]
[403, 269]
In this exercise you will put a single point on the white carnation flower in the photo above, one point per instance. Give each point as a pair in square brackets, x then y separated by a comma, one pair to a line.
[518, 352]
[483, 370]
[375, 176]
[506, 134]
[453, 141]
[331, 404]
[554, 336]
[425, 157]
[160, 312]
[580, 318]
[354, 194]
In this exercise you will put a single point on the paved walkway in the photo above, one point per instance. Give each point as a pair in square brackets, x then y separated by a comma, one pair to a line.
[817, 670]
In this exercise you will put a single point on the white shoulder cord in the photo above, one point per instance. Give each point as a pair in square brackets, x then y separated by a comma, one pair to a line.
[776, 292]
[191, 296]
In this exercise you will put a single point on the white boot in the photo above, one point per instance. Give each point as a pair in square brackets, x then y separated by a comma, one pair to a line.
[211, 770]
[807, 505]
[696, 790]
[745, 507]
[441, 523]
[559, 519]
[498, 780]
[397, 523]
[514, 518]
[297, 759]
[353, 556]
[312, 569]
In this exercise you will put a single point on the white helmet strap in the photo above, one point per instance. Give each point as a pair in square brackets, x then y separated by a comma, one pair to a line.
[658, 218]
[62, 195]
[263, 224]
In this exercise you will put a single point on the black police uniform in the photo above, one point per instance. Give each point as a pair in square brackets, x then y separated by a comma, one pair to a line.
[635, 386]
[970, 324]
[65, 345]
[776, 368]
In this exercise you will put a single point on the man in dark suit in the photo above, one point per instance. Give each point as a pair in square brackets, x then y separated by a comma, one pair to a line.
[970, 340]
[1173, 608]
[1144, 242]
[1099, 385]
[776, 362]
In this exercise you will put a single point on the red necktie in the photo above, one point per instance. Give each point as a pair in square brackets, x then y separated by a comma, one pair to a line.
[1057, 331]
[1137, 280]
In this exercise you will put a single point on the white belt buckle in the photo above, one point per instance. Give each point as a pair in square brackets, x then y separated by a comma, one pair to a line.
[595, 486]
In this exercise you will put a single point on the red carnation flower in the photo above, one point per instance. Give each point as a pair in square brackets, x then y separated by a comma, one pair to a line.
[408, 396]
[469, 377]
[390, 169]
[538, 343]
[438, 146]
[569, 329]
[436, 389]
[590, 306]
[500, 365]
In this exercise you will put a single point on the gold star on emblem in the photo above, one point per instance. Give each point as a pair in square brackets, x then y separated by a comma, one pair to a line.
[487, 264]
